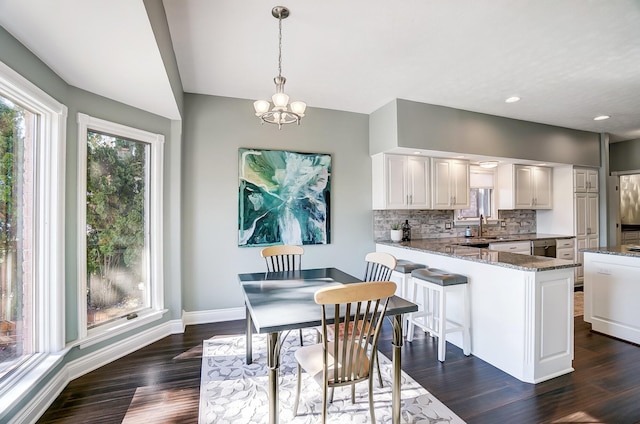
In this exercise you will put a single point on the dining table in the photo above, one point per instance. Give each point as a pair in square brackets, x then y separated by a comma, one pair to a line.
[278, 302]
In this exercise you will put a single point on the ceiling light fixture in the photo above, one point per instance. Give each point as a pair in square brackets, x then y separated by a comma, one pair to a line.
[512, 99]
[488, 164]
[279, 114]
[601, 117]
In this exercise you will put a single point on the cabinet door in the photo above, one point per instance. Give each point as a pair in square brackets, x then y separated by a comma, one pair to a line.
[396, 182]
[585, 180]
[592, 180]
[592, 214]
[418, 182]
[523, 187]
[581, 218]
[541, 180]
[441, 177]
[460, 184]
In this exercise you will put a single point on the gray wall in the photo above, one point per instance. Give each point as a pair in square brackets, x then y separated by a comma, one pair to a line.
[431, 127]
[214, 129]
[624, 156]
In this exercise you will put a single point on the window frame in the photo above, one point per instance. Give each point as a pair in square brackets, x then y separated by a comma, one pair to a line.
[463, 222]
[99, 333]
[48, 296]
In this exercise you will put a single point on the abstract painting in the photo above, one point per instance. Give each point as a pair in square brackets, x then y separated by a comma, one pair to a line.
[284, 197]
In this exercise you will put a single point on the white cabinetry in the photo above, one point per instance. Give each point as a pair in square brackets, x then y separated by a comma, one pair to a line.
[630, 237]
[585, 180]
[400, 182]
[565, 249]
[524, 187]
[450, 178]
[586, 226]
[521, 247]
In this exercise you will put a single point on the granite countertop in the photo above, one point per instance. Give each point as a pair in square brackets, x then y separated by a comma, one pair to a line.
[620, 250]
[453, 247]
[500, 239]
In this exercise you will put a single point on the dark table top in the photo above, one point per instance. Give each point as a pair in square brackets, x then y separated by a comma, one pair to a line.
[280, 301]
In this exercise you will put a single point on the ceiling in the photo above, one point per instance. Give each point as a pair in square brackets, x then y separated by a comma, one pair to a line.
[569, 60]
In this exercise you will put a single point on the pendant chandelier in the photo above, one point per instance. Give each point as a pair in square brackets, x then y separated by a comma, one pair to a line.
[282, 112]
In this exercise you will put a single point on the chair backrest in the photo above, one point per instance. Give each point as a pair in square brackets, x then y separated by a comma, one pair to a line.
[379, 266]
[282, 258]
[364, 306]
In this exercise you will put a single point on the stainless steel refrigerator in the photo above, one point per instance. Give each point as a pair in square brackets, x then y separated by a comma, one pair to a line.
[630, 199]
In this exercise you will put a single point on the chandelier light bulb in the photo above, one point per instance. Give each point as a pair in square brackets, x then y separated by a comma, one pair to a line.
[280, 100]
[298, 108]
[261, 106]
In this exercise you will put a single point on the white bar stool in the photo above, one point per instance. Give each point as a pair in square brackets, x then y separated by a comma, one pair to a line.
[401, 275]
[435, 285]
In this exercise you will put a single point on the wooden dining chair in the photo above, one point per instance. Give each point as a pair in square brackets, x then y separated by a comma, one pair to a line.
[345, 360]
[283, 258]
[379, 266]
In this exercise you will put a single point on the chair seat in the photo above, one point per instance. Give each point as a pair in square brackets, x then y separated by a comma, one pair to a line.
[439, 277]
[405, 267]
[310, 359]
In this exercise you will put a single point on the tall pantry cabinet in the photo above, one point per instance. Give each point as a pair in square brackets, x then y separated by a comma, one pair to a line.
[586, 206]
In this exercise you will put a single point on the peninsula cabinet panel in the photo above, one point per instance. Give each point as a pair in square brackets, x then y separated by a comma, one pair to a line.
[525, 187]
[450, 179]
[400, 182]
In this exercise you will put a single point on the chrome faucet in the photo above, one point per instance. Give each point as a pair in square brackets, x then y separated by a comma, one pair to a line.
[481, 230]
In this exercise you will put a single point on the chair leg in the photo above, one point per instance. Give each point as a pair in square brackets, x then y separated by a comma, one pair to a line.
[371, 411]
[301, 339]
[353, 393]
[442, 326]
[299, 384]
[379, 373]
[330, 394]
[324, 402]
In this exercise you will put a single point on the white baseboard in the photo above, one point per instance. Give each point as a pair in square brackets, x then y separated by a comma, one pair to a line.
[217, 315]
[74, 369]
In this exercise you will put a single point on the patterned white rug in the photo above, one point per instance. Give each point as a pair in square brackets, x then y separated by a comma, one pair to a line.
[233, 392]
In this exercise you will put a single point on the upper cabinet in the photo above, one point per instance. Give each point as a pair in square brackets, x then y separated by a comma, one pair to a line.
[400, 182]
[450, 181]
[525, 187]
[585, 180]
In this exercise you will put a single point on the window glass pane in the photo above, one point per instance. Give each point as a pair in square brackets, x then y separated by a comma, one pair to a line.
[17, 131]
[479, 204]
[117, 183]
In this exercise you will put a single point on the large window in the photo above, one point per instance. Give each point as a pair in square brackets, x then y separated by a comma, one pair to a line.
[32, 148]
[120, 211]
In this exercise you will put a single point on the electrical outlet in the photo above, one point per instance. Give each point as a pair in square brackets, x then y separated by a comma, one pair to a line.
[447, 225]
[503, 223]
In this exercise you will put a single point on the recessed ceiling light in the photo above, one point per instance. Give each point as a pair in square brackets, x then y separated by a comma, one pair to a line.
[461, 157]
[417, 153]
[601, 117]
[513, 99]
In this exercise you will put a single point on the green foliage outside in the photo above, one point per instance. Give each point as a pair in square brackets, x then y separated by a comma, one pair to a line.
[115, 221]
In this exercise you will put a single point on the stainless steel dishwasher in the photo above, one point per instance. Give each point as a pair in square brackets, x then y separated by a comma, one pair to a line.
[544, 248]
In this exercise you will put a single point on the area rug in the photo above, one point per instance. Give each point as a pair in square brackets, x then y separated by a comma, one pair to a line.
[233, 392]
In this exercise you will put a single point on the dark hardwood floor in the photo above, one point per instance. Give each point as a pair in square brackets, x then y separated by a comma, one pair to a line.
[160, 383]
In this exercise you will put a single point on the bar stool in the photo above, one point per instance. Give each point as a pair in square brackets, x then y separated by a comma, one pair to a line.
[402, 275]
[436, 284]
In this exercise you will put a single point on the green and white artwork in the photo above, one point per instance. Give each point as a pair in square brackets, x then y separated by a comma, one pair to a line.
[284, 197]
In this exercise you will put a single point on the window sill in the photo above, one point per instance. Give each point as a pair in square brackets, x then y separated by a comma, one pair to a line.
[24, 379]
[119, 327]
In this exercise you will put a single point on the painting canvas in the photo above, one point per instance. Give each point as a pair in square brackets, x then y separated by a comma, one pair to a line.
[284, 197]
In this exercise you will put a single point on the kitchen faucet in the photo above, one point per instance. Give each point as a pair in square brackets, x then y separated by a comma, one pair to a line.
[481, 230]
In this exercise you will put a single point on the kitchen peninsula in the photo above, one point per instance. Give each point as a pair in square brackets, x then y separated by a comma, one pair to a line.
[611, 291]
[521, 305]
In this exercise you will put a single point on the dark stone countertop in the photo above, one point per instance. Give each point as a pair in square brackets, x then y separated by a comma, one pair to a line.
[454, 247]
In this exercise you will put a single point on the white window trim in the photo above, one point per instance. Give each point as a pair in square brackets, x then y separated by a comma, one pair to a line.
[156, 141]
[49, 242]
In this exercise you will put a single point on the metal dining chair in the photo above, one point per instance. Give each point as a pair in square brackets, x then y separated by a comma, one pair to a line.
[379, 266]
[283, 258]
[358, 305]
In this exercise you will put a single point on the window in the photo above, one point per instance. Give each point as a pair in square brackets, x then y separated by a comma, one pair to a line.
[32, 148]
[120, 217]
[481, 196]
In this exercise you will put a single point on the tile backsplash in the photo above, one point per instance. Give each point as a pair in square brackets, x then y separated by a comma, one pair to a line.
[433, 223]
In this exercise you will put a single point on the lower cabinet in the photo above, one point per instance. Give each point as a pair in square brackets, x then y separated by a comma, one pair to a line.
[521, 247]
